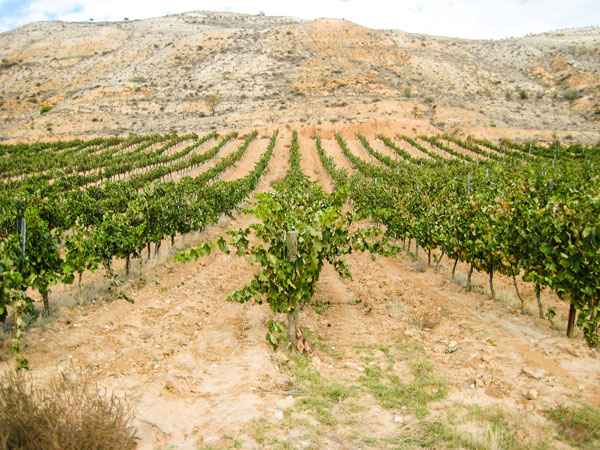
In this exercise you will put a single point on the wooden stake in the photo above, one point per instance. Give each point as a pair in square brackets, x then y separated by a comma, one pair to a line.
[454, 268]
[291, 243]
[492, 292]
[571, 321]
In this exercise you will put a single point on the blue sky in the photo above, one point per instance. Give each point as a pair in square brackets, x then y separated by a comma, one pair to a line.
[486, 19]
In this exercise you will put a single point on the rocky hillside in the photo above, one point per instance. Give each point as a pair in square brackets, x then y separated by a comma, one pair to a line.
[154, 76]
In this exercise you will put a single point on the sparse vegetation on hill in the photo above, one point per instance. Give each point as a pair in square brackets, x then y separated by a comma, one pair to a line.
[343, 72]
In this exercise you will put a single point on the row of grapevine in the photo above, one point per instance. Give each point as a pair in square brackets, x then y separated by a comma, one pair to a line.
[116, 223]
[534, 221]
[106, 166]
[300, 227]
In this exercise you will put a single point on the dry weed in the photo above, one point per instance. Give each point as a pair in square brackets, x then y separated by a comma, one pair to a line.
[428, 319]
[70, 413]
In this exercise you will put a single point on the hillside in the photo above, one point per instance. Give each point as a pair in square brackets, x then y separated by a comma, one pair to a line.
[153, 76]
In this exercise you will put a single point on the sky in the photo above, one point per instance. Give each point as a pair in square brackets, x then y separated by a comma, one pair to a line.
[473, 19]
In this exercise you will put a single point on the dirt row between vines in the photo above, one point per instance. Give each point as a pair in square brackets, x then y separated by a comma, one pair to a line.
[197, 369]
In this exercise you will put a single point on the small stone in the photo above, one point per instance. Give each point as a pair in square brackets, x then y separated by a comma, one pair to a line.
[278, 415]
[355, 366]
[398, 419]
[409, 333]
[452, 347]
[532, 394]
[536, 374]
[479, 383]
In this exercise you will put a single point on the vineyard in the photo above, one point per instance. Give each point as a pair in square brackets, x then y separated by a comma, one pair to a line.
[523, 215]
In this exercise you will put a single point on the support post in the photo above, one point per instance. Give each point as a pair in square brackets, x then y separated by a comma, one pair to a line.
[571, 321]
[291, 248]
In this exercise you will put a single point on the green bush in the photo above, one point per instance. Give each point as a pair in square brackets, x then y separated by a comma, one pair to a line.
[571, 95]
[523, 94]
[45, 109]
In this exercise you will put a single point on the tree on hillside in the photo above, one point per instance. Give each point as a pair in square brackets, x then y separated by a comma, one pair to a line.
[212, 101]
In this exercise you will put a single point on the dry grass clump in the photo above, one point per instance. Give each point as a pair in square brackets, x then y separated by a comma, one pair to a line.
[70, 413]
[428, 319]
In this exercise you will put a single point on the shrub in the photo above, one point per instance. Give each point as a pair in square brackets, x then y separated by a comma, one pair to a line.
[571, 95]
[45, 109]
[71, 413]
[212, 101]
[523, 94]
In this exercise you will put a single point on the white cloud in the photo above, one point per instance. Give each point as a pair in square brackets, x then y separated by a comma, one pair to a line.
[457, 18]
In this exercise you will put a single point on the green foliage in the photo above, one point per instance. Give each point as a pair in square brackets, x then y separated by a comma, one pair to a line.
[14, 273]
[391, 391]
[571, 95]
[321, 393]
[523, 94]
[46, 108]
[323, 230]
[212, 101]
[276, 334]
[578, 424]
[515, 214]
[111, 220]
